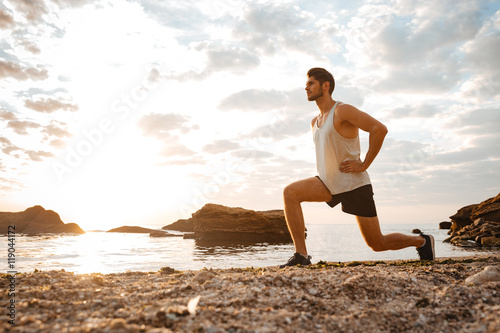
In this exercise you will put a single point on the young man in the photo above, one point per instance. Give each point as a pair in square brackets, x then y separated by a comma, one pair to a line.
[342, 176]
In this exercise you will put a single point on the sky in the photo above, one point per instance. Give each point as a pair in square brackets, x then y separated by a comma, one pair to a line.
[139, 112]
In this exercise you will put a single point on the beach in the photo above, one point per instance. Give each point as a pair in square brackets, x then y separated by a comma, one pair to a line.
[382, 296]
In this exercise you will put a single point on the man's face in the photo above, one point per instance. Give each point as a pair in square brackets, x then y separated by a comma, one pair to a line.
[313, 89]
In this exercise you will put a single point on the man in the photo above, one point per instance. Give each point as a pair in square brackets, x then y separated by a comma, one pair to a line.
[342, 176]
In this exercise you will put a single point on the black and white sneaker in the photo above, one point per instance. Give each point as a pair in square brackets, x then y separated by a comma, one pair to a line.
[426, 252]
[297, 259]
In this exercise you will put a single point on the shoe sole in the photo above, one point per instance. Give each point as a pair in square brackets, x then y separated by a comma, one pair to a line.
[431, 238]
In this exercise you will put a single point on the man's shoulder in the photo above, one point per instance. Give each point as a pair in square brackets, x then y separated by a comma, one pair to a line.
[344, 109]
[313, 121]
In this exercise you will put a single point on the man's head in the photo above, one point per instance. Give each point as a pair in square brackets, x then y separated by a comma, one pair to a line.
[322, 76]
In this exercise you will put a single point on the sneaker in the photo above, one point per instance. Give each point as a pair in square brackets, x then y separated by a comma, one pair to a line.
[297, 259]
[426, 252]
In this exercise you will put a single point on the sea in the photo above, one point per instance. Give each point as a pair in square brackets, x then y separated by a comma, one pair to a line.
[121, 252]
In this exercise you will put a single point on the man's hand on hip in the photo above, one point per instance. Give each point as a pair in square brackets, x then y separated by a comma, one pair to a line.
[352, 166]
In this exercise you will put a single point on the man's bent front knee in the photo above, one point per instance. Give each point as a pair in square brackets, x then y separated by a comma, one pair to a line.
[290, 193]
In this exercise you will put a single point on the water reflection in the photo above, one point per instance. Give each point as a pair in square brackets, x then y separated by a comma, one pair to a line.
[229, 247]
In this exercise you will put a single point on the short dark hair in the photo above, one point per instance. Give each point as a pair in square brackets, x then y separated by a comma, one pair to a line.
[322, 75]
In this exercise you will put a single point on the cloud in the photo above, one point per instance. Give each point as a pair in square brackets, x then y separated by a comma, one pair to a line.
[55, 130]
[192, 160]
[183, 16]
[250, 154]
[261, 100]
[161, 125]
[164, 127]
[6, 20]
[38, 156]
[7, 115]
[33, 11]
[418, 54]
[16, 71]
[220, 146]
[412, 111]
[8, 185]
[286, 127]
[234, 59]
[30, 46]
[7, 146]
[171, 149]
[21, 127]
[49, 105]
[31, 92]
[480, 59]
[71, 4]
[475, 121]
[270, 28]
[254, 100]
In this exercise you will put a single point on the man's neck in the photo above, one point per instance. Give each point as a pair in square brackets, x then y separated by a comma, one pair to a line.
[325, 104]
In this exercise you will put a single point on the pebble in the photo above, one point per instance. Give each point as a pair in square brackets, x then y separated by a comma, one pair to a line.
[489, 274]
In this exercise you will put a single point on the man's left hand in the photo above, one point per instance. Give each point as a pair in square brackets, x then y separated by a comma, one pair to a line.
[352, 166]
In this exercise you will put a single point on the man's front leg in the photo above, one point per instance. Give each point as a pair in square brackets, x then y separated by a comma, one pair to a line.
[306, 190]
[296, 226]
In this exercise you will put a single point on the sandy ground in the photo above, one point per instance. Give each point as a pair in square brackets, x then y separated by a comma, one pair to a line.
[395, 296]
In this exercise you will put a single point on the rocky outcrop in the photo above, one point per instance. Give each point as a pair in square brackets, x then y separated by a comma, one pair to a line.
[36, 220]
[181, 225]
[446, 225]
[141, 230]
[219, 223]
[477, 225]
[132, 230]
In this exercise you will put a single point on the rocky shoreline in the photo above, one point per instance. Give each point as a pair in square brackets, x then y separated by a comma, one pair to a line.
[391, 296]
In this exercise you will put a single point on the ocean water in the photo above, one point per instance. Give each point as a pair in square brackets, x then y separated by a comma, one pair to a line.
[120, 252]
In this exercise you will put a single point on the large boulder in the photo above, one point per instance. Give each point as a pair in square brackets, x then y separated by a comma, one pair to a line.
[140, 230]
[220, 223]
[36, 220]
[477, 225]
[132, 230]
[488, 210]
[445, 225]
[184, 225]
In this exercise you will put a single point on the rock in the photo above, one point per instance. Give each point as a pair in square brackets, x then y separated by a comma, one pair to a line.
[216, 222]
[490, 241]
[37, 220]
[462, 217]
[445, 225]
[416, 231]
[181, 225]
[118, 323]
[160, 233]
[479, 223]
[489, 274]
[133, 230]
[203, 276]
[193, 304]
[488, 209]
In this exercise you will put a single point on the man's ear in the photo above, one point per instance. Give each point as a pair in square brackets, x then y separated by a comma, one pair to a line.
[326, 86]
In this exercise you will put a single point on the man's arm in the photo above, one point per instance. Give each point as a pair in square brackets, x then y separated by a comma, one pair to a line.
[368, 124]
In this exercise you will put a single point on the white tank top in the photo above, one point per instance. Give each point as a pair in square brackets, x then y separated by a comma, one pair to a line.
[333, 149]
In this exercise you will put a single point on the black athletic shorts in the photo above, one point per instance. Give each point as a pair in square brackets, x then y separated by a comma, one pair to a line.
[357, 202]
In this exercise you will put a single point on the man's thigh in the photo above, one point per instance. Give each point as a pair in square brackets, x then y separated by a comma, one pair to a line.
[310, 189]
